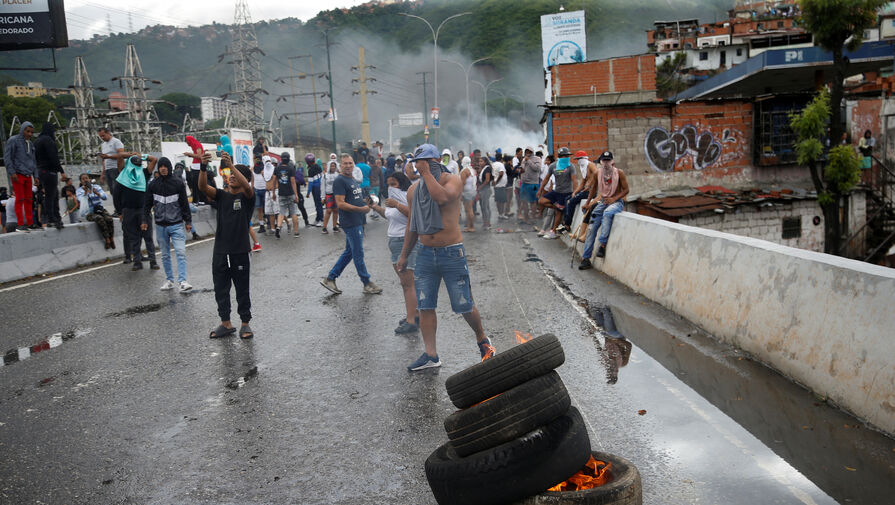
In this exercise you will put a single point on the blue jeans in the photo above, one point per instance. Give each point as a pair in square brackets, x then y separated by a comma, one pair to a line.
[176, 234]
[448, 264]
[601, 219]
[354, 250]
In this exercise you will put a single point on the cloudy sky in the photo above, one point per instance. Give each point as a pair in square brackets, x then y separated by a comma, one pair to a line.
[88, 17]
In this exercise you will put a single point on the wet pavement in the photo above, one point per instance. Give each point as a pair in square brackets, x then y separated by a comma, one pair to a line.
[111, 391]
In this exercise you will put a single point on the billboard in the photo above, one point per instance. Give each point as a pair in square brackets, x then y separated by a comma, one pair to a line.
[242, 146]
[563, 38]
[32, 24]
[411, 119]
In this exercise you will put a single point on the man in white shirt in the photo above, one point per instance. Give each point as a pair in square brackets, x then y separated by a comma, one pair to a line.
[499, 173]
[113, 155]
[449, 163]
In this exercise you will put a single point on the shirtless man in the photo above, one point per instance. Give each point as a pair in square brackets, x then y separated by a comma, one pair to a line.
[606, 198]
[434, 217]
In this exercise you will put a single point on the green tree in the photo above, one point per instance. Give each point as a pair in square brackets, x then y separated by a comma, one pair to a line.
[668, 75]
[833, 23]
[841, 172]
[34, 109]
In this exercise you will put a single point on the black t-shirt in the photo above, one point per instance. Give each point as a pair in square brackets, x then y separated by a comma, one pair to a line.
[314, 170]
[234, 213]
[283, 173]
[486, 170]
[350, 189]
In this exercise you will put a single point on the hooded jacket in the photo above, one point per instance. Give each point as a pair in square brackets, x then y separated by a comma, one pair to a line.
[45, 151]
[166, 196]
[19, 154]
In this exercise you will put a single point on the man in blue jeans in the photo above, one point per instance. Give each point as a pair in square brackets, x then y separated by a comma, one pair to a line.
[610, 192]
[352, 210]
[434, 222]
[166, 196]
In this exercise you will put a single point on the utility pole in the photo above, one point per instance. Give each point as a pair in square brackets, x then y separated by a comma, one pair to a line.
[425, 99]
[365, 119]
[294, 106]
[314, 90]
[332, 105]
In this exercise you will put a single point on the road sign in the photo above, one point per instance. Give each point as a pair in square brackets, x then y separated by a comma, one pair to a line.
[411, 119]
[435, 111]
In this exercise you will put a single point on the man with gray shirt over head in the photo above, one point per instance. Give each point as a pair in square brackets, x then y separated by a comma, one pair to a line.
[21, 165]
[434, 222]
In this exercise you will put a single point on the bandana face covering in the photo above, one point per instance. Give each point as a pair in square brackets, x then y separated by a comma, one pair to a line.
[582, 163]
[562, 164]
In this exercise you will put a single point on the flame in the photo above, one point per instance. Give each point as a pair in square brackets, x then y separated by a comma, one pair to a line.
[594, 474]
[522, 338]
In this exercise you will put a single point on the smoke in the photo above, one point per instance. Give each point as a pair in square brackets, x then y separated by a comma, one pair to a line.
[500, 133]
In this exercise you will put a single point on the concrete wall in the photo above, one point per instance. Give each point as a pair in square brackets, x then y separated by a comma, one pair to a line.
[825, 321]
[27, 254]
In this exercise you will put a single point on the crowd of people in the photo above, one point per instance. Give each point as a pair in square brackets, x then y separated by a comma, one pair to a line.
[425, 196]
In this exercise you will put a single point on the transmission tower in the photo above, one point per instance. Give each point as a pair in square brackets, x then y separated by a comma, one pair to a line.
[140, 124]
[246, 60]
[83, 139]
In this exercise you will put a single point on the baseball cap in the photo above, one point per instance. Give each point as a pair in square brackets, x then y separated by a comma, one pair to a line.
[580, 154]
[605, 156]
[564, 151]
[426, 152]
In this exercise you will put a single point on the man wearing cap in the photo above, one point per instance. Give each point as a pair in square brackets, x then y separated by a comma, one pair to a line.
[587, 171]
[565, 177]
[434, 223]
[607, 198]
[21, 165]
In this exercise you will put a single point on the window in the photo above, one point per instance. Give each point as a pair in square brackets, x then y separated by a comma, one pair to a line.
[740, 52]
[779, 24]
[722, 43]
[792, 227]
[704, 56]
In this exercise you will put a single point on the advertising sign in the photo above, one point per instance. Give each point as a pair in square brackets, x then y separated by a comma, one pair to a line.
[242, 146]
[32, 24]
[563, 38]
[435, 121]
[411, 119]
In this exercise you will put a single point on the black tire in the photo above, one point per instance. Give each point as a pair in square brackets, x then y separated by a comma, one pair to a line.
[509, 415]
[626, 488]
[505, 371]
[522, 467]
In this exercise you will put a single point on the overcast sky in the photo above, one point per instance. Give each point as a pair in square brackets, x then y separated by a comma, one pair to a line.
[88, 17]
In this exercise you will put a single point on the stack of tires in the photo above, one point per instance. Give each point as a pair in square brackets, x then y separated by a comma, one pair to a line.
[517, 433]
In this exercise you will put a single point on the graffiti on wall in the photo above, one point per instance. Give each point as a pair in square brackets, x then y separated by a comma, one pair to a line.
[664, 149]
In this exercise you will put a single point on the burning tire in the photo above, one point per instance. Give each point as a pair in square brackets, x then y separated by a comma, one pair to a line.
[624, 489]
[513, 470]
[505, 371]
[509, 415]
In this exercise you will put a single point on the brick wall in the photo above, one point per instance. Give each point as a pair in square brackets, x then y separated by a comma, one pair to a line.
[667, 145]
[865, 115]
[628, 74]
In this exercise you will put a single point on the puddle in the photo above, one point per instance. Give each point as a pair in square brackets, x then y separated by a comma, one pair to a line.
[55, 340]
[141, 309]
[240, 382]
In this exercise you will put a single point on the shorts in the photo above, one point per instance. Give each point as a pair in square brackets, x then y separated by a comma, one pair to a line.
[529, 193]
[395, 246]
[259, 198]
[558, 199]
[288, 205]
[329, 201]
[434, 264]
[500, 195]
[468, 196]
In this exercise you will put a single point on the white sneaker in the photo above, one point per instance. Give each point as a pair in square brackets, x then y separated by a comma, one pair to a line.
[550, 235]
[167, 286]
[185, 286]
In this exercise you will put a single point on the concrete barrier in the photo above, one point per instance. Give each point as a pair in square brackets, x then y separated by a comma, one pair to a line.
[26, 254]
[826, 322]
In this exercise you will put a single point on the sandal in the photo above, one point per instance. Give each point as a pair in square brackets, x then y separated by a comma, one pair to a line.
[221, 331]
[245, 332]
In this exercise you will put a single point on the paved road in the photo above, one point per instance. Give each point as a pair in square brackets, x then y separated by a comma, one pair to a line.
[134, 404]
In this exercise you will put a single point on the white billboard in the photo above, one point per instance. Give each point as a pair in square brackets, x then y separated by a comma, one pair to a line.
[563, 38]
[411, 119]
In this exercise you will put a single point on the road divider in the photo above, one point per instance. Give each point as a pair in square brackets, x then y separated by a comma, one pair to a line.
[824, 321]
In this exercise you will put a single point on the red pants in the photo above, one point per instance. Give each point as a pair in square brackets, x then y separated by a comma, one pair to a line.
[24, 199]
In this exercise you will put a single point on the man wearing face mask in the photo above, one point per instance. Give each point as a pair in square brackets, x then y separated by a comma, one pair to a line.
[166, 198]
[607, 198]
[587, 171]
[565, 177]
[449, 164]
[130, 188]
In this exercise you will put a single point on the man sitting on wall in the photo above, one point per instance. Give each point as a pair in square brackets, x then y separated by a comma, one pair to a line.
[609, 197]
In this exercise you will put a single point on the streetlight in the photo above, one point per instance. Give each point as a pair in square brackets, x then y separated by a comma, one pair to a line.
[435, 32]
[485, 91]
[466, 71]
